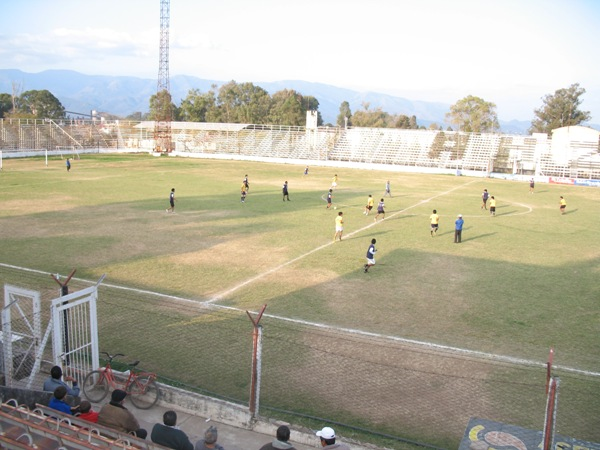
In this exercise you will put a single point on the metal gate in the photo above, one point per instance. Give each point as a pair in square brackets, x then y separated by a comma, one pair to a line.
[21, 334]
[75, 332]
[72, 325]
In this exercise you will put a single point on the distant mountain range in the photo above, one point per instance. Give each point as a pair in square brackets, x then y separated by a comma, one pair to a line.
[122, 95]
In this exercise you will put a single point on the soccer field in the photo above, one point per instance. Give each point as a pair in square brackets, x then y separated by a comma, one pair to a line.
[521, 282]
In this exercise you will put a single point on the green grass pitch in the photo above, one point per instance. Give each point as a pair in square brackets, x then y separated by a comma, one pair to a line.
[520, 283]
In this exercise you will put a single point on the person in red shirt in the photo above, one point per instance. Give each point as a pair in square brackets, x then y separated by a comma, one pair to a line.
[86, 413]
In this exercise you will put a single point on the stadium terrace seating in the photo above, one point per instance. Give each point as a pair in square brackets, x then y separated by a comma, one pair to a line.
[387, 146]
[480, 151]
[48, 429]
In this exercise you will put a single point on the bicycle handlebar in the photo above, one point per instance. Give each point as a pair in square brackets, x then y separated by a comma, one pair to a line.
[111, 357]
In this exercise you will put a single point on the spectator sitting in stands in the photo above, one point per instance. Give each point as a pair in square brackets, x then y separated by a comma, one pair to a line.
[115, 415]
[281, 443]
[209, 441]
[86, 413]
[327, 436]
[54, 380]
[169, 434]
[57, 402]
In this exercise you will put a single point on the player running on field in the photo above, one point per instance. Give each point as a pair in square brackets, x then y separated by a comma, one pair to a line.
[563, 205]
[370, 255]
[388, 189]
[334, 181]
[492, 206]
[329, 199]
[172, 201]
[484, 198]
[370, 203]
[435, 221]
[286, 194]
[380, 210]
[339, 226]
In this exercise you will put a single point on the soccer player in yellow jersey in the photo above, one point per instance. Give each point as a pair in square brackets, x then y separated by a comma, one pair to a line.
[339, 226]
[563, 205]
[369, 207]
[243, 194]
[492, 205]
[334, 181]
[435, 220]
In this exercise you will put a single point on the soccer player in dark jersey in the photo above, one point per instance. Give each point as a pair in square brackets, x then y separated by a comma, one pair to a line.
[329, 198]
[172, 201]
[285, 192]
[380, 210]
[370, 255]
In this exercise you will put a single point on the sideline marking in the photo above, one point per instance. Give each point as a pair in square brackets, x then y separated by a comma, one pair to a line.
[424, 344]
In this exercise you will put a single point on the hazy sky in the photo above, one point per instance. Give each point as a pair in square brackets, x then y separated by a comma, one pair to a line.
[509, 52]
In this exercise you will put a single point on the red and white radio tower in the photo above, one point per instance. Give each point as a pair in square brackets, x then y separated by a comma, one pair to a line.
[163, 107]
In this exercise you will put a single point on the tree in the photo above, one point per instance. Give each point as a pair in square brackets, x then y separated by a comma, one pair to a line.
[402, 121]
[40, 105]
[473, 114]
[254, 104]
[228, 101]
[372, 119]
[6, 104]
[560, 110]
[198, 107]
[161, 107]
[413, 123]
[287, 108]
[345, 114]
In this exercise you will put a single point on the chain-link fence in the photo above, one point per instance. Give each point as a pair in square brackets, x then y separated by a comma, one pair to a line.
[391, 393]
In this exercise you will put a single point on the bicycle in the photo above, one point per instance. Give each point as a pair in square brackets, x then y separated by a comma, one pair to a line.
[141, 387]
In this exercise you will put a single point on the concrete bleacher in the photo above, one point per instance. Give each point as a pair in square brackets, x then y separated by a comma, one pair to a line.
[433, 150]
[480, 151]
[45, 428]
[385, 146]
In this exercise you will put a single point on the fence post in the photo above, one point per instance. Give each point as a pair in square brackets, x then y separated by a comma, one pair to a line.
[550, 419]
[256, 362]
[64, 290]
[549, 369]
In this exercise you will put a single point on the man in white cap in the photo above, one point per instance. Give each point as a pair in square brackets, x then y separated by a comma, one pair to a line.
[458, 226]
[327, 436]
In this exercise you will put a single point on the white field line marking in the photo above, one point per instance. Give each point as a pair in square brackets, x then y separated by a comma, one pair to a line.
[425, 344]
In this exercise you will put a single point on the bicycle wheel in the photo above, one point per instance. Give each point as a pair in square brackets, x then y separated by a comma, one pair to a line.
[95, 386]
[143, 392]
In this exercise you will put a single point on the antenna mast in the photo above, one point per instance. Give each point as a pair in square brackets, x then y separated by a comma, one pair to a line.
[162, 109]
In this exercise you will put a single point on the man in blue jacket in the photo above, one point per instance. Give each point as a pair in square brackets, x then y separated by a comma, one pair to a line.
[458, 226]
[54, 381]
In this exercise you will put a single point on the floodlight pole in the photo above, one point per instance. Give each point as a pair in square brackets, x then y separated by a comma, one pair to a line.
[64, 290]
[256, 362]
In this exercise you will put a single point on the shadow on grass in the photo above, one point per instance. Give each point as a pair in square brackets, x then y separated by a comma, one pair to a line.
[480, 236]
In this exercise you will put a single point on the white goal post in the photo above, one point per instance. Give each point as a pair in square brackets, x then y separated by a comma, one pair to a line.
[67, 150]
